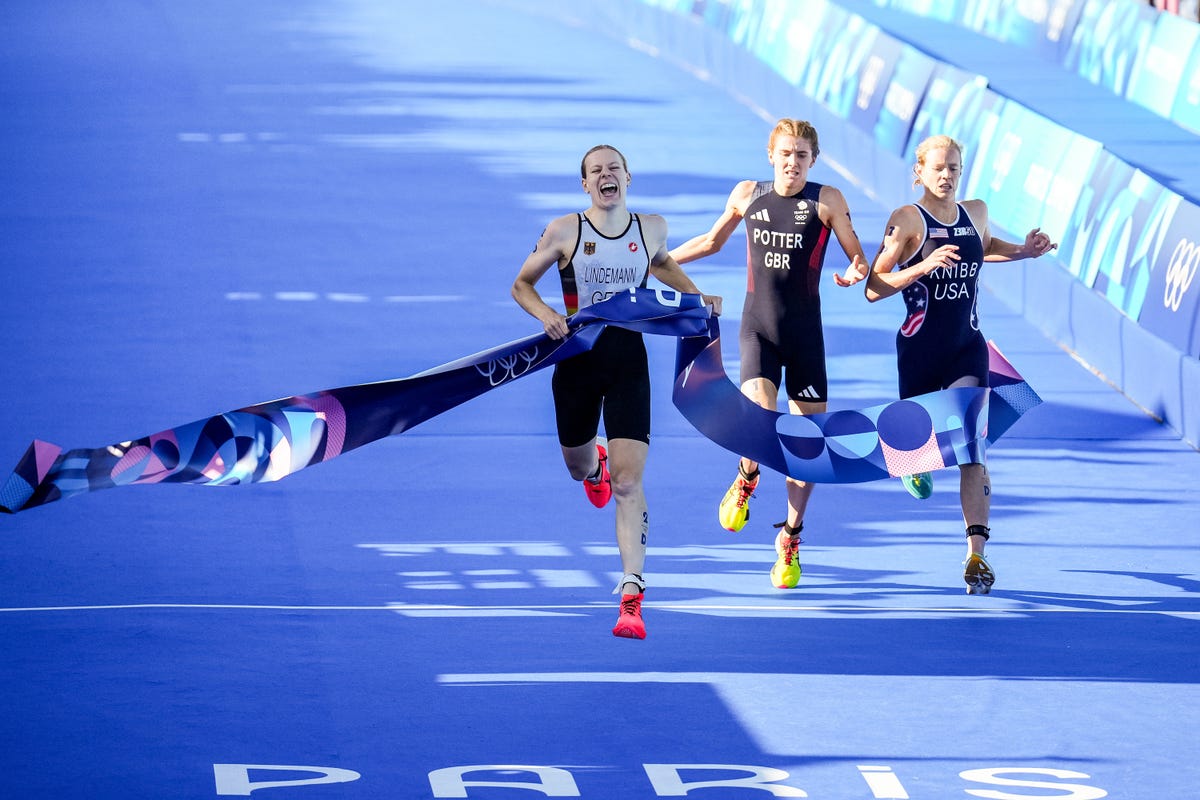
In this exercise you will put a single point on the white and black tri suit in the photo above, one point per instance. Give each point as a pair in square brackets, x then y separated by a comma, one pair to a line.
[612, 378]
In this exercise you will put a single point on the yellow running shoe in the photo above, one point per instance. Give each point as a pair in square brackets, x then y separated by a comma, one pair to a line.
[978, 575]
[920, 485]
[786, 572]
[735, 506]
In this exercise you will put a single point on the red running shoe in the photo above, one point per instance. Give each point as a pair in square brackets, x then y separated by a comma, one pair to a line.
[629, 624]
[599, 493]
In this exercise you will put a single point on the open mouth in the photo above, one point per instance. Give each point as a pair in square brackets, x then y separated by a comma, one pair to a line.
[608, 189]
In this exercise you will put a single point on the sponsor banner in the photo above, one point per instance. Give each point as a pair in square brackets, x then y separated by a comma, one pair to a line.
[1171, 309]
[1128, 241]
[1186, 109]
[1044, 28]
[1022, 156]
[1117, 231]
[715, 15]
[1041, 26]
[1080, 244]
[1066, 187]
[940, 10]
[861, 74]
[1106, 41]
[1159, 70]
[983, 16]
[791, 43]
[904, 96]
[743, 25]
[959, 104]
[873, 79]
[835, 44]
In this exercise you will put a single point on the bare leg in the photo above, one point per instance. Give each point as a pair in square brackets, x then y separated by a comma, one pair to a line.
[765, 394]
[975, 494]
[734, 509]
[626, 464]
[798, 492]
[974, 490]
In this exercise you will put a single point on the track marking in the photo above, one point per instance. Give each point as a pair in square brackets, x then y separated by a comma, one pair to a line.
[458, 610]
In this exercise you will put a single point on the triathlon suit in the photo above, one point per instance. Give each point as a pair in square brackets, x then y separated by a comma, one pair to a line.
[612, 378]
[940, 340]
[781, 319]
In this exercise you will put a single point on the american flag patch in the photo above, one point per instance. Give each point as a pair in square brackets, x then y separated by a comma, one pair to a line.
[912, 324]
[939, 233]
[916, 298]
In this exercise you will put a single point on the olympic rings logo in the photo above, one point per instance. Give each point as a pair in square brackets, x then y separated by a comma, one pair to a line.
[507, 368]
[1180, 272]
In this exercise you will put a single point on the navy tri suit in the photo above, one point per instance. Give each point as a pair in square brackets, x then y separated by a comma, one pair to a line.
[940, 340]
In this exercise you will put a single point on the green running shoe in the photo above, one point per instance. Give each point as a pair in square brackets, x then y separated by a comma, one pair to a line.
[920, 485]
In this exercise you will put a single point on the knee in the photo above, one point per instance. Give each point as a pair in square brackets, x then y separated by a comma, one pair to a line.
[626, 483]
[580, 461]
[798, 484]
[579, 472]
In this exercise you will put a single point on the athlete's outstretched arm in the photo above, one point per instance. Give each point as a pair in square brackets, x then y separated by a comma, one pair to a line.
[995, 249]
[1037, 244]
[838, 219]
[665, 268]
[711, 242]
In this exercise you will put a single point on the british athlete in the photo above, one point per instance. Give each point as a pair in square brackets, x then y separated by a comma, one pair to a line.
[788, 221]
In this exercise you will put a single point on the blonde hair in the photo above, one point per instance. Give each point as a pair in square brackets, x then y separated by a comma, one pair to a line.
[801, 129]
[938, 142]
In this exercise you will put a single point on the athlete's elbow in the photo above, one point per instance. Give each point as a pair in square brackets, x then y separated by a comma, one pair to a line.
[715, 243]
[703, 246]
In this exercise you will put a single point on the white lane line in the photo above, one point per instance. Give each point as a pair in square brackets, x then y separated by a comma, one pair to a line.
[723, 608]
[424, 298]
[344, 297]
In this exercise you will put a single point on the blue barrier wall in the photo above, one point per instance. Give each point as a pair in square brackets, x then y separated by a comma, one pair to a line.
[1124, 46]
[1115, 183]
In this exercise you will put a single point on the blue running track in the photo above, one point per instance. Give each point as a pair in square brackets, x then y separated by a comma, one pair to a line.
[210, 205]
